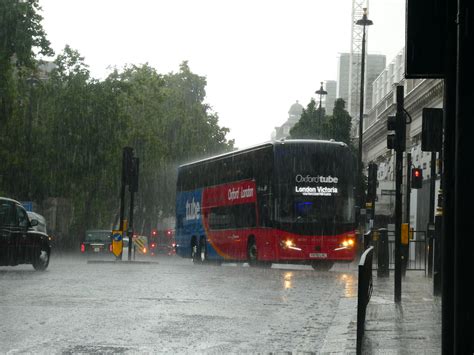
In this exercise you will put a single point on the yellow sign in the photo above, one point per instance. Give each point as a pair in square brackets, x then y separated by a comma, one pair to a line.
[141, 242]
[405, 233]
[117, 242]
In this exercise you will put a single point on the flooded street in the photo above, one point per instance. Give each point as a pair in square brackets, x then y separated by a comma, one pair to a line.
[171, 305]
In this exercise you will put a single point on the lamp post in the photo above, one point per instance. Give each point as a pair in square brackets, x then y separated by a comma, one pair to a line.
[321, 92]
[32, 82]
[364, 21]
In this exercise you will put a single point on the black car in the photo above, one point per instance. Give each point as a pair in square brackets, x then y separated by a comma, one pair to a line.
[20, 243]
[162, 242]
[97, 241]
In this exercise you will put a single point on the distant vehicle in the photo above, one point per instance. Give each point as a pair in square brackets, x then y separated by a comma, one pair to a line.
[20, 243]
[284, 201]
[97, 241]
[162, 242]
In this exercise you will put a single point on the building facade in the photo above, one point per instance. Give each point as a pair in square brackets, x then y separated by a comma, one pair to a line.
[331, 88]
[375, 64]
[418, 94]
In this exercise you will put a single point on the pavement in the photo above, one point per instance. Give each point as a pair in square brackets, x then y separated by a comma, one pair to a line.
[411, 327]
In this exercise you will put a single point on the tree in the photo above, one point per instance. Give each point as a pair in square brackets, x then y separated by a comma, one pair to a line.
[314, 124]
[79, 126]
[21, 33]
[311, 124]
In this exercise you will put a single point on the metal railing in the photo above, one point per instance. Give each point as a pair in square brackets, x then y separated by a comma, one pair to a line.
[364, 291]
[415, 253]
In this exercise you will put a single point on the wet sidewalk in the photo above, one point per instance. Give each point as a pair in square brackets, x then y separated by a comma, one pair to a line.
[411, 327]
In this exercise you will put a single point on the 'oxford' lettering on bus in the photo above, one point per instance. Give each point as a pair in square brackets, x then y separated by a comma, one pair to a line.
[317, 179]
[236, 193]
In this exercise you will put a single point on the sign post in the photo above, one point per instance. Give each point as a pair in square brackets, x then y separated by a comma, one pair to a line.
[117, 243]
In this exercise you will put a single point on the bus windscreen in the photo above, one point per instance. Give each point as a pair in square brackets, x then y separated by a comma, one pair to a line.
[315, 185]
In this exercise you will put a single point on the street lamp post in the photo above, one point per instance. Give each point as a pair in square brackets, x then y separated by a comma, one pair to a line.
[32, 82]
[364, 21]
[321, 92]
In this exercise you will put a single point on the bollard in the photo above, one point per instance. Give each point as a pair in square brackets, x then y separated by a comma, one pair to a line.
[383, 254]
[367, 239]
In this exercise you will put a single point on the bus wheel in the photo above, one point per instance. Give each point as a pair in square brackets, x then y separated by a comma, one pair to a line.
[203, 250]
[252, 252]
[195, 253]
[322, 265]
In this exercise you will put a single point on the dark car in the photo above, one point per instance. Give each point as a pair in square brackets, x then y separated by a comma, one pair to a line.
[162, 242]
[20, 243]
[97, 241]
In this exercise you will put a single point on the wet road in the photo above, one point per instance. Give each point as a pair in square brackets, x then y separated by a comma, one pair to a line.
[173, 306]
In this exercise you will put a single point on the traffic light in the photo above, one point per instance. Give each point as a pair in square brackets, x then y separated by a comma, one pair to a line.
[372, 182]
[134, 172]
[416, 178]
[127, 165]
[396, 136]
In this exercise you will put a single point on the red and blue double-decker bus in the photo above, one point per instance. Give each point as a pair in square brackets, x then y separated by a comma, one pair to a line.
[287, 201]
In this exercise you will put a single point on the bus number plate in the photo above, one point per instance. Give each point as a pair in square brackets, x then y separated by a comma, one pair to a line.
[318, 255]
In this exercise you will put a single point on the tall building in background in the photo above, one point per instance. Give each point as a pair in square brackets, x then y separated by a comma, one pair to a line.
[331, 88]
[343, 76]
[374, 65]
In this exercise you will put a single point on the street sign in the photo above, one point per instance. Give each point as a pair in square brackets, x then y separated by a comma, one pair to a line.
[117, 241]
[28, 205]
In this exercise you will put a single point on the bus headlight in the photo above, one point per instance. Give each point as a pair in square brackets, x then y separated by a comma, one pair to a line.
[347, 243]
[289, 244]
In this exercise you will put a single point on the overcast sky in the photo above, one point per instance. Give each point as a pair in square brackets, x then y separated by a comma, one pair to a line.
[259, 56]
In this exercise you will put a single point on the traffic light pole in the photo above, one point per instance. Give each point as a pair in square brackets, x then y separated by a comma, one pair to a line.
[130, 226]
[400, 116]
[125, 157]
[371, 192]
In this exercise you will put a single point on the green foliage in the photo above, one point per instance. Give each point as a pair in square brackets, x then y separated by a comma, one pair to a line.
[21, 34]
[315, 124]
[80, 125]
[63, 135]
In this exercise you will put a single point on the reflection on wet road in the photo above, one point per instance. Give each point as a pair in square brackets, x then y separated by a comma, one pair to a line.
[173, 306]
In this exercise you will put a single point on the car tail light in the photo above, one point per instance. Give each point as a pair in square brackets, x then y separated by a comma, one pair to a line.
[83, 248]
[153, 245]
[110, 248]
